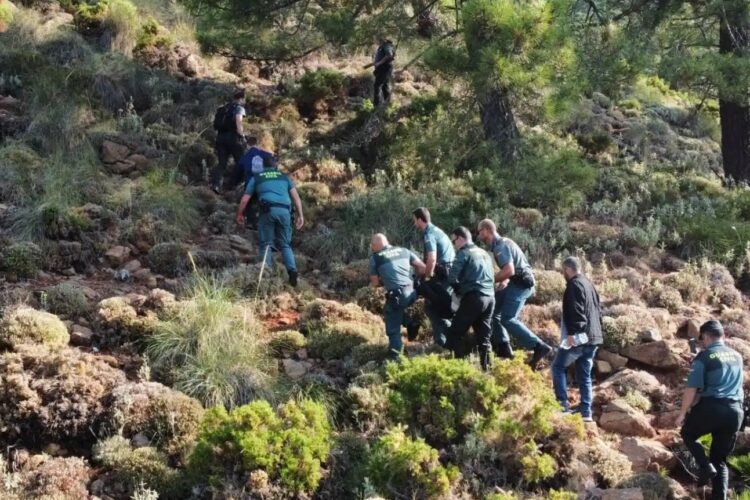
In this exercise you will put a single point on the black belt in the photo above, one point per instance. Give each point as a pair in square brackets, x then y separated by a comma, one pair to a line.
[274, 204]
[726, 401]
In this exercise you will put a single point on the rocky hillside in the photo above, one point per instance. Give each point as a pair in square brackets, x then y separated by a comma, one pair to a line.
[146, 354]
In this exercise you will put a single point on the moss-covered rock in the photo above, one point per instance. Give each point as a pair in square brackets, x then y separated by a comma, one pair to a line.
[169, 419]
[333, 328]
[57, 396]
[24, 325]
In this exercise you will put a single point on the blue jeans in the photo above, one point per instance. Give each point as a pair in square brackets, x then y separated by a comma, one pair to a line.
[396, 317]
[508, 304]
[275, 231]
[583, 357]
[439, 324]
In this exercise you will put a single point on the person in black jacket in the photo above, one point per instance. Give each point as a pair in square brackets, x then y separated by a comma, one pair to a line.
[581, 332]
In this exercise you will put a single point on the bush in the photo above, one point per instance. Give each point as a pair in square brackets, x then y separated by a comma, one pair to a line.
[691, 284]
[121, 20]
[319, 85]
[152, 34]
[122, 322]
[68, 299]
[314, 193]
[160, 195]
[286, 343]
[22, 259]
[550, 286]
[334, 329]
[140, 466]
[638, 400]
[741, 464]
[289, 444]
[210, 347]
[25, 325]
[169, 259]
[57, 478]
[409, 466]
[6, 15]
[441, 399]
[661, 295]
[615, 290]
[57, 396]
[610, 466]
[169, 419]
[370, 299]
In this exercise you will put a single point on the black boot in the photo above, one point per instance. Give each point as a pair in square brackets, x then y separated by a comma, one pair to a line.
[706, 474]
[484, 360]
[504, 350]
[541, 351]
[412, 330]
[293, 278]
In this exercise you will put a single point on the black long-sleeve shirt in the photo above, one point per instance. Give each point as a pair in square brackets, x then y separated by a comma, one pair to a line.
[581, 310]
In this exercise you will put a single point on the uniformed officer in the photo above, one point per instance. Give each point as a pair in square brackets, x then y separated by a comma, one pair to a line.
[390, 267]
[472, 278]
[715, 380]
[438, 258]
[515, 284]
[275, 192]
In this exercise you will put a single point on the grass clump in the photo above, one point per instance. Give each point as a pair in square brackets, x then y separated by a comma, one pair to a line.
[160, 196]
[210, 347]
[288, 445]
[334, 329]
[638, 400]
[409, 466]
[24, 325]
[286, 343]
[22, 259]
[68, 299]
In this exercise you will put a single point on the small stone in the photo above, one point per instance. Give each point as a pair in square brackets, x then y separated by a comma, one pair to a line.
[620, 417]
[601, 99]
[123, 275]
[656, 354]
[693, 329]
[616, 361]
[140, 441]
[602, 367]
[294, 369]
[81, 336]
[69, 271]
[645, 452]
[301, 354]
[650, 336]
[132, 265]
[117, 255]
[112, 152]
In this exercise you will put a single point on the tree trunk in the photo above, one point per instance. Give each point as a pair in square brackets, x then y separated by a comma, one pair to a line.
[734, 111]
[499, 123]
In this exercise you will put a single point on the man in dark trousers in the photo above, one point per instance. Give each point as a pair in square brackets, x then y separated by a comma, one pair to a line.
[581, 335]
[438, 257]
[229, 137]
[715, 381]
[382, 62]
[472, 277]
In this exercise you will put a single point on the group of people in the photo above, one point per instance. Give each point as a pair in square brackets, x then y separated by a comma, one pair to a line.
[466, 287]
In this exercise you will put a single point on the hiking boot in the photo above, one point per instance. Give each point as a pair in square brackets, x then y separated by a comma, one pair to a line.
[293, 278]
[412, 330]
[541, 351]
[504, 350]
[706, 474]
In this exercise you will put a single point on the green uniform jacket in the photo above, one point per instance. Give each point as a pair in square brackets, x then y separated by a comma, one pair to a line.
[472, 271]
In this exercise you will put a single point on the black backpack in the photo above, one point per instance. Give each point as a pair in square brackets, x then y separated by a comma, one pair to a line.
[224, 118]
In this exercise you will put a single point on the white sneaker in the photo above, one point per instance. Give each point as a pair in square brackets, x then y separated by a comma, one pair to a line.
[588, 419]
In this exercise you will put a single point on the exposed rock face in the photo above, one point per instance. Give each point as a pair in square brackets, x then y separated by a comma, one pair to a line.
[616, 361]
[622, 418]
[655, 354]
[645, 452]
[632, 380]
[614, 494]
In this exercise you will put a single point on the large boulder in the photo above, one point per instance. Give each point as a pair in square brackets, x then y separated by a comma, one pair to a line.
[656, 354]
[635, 380]
[646, 453]
[616, 361]
[618, 416]
[25, 325]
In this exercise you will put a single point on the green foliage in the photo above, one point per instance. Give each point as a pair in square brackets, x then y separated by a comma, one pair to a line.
[22, 259]
[441, 399]
[741, 464]
[286, 342]
[25, 325]
[6, 14]
[68, 299]
[151, 35]
[210, 347]
[134, 467]
[637, 399]
[409, 466]
[321, 84]
[609, 465]
[537, 466]
[159, 195]
[121, 18]
[289, 444]
[661, 295]
[334, 329]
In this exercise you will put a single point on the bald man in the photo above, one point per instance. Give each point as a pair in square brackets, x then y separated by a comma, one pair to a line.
[390, 267]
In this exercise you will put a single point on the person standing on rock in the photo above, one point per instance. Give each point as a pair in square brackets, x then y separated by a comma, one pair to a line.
[382, 62]
[275, 192]
[390, 267]
[715, 380]
[472, 278]
[230, 137]
[581, 335]
[515, 284]
[438, 257]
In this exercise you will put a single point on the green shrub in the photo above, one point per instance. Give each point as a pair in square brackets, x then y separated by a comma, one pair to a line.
[25, 325]
[210, 347]
[690, 282]
[121, 19]
[168, 258]
[609, 465]
[537, 466]
[122, 322]
[160, 195]
[22, 259]
[314, 193]
[409, 466]
[289, 445]
[152, 34]
[6, 14]
[68, 299]
[619, 333]
[550, 287]
[441, 399]
[741, 464]
[661, 295]
[637, 399]
[334, 329]
[135, 466]
[286, 343]
[321, 84]
[615, 290]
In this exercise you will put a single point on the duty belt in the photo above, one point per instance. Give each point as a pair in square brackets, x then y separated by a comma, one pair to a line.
[272, 204]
